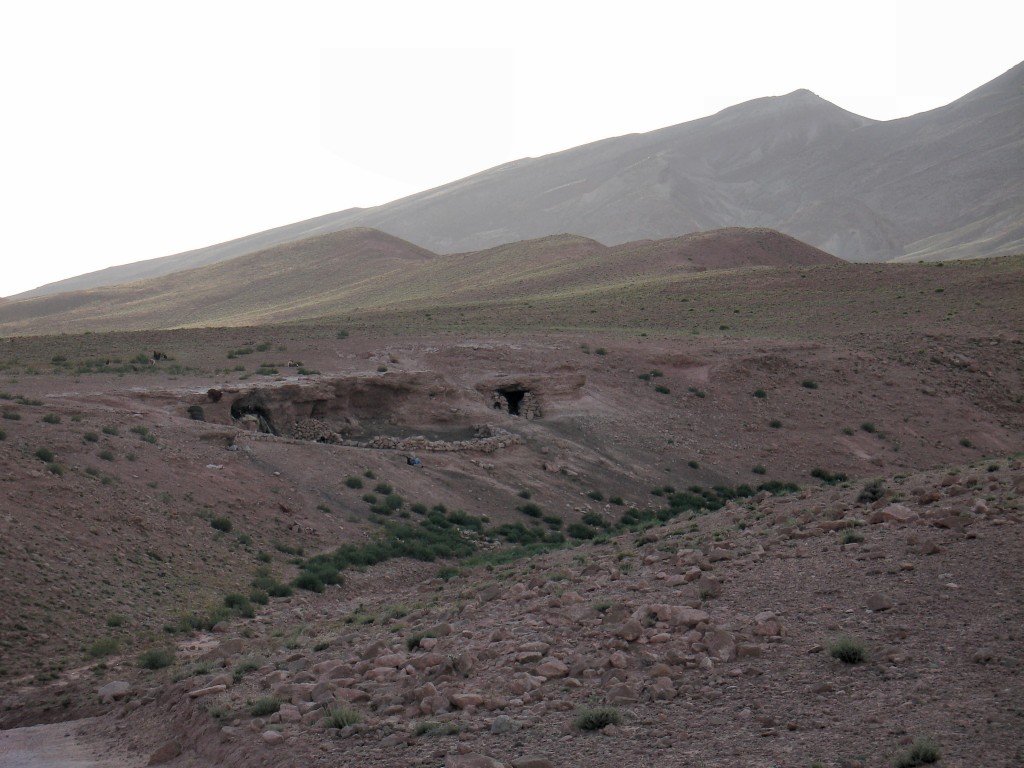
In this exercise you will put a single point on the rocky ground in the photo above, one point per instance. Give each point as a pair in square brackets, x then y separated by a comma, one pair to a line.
[707, 635]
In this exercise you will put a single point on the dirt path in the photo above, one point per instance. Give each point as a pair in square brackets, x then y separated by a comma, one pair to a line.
[54, 746]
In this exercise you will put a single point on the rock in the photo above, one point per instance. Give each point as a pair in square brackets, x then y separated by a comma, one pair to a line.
[721, 645]
[168, 751]
[532, 761]
[621, 694]
[272, 738]
[503, 724]
[618, 660]
[464, 700]
[551, 668]
[897, 513]
[200, 692]
[879, 603]
[766, 624]
[471, 760]
[630, 631]
[114, 691]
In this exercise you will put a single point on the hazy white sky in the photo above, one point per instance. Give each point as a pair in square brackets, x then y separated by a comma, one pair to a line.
[133, 130]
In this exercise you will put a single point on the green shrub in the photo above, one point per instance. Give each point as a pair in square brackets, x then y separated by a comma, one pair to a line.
[868, 427]
[110, 431]
[259, 597]
[3, 435]
[221, 524]
[830, 478]
[264, 706]
[353, 482]
[596, 495]
[848, 650]
[55, 469]
[156, 658]
[90, 437]
[531, 510]
[44, 454]
[760, 393]
[759, 469]
[775, 424]
[342, 717]
[341, 334]
[809, 384]
[383, 489]
[370, 498]
[309, 581]
[850, 536]
[244, 666]
[394, 501]
[661, 389]
[448, 572]
[105, 646]
[106, 454]
[921, 752]
[596, 718]
[240, 604]
[616, 500]
[580, 531]
[693, 464]
[51, 418]
[116, 620]
[872, 492]
[12, 415]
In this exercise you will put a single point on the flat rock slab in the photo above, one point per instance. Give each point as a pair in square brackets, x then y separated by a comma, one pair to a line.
[55, 746]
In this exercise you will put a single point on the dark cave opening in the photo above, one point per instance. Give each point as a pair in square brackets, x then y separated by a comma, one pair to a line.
[251, 405]
[514, 398]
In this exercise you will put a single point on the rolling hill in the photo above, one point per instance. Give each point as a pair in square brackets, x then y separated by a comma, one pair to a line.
[364, 269]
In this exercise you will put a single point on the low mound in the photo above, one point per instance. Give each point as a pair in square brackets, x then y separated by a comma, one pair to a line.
[729, 248]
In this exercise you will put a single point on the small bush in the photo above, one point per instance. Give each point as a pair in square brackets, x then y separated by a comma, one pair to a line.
[759, 469]
[309, 581]
[596, 495]
[240, 604]
[966, 443]
[116, 620]
[12, 415]
[106, 455]
[600, 351]
[110, 431]
[342, 717]
[264, 706]
[872, 492]
[341, 334]
[370, 498]
[921, 752]
[221, 524]
[809, 384]
[531, 510]
[775, 424]
[760, 393]
[596, 718]
[693, 464]
[55, 469]
[829, 478]
[90, 437]
[848, 650]
[661, 389]
[353, 482]
[447, 573]
[616, 500]
[51, 418]
[244, 666]
[156, 658]
[383, 488]
[868, 427]
[3, 435]
[44, 454]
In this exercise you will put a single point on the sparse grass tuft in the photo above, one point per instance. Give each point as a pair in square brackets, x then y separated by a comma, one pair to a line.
[596, 718]
[221, 524]
[342, 717]
[353, 482]
[921, 752]
[267, 705]
[103, 647]
[51, 418]
[848, 650]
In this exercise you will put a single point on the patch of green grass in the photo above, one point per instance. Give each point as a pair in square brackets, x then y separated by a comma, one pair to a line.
[596, 718]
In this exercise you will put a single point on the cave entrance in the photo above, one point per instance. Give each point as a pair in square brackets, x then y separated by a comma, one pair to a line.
[252, 406]
[510, 401]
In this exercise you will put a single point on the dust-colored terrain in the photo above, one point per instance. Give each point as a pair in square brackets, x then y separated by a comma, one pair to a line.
[639, 440]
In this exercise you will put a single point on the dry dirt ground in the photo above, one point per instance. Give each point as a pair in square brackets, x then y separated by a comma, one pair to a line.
[709, 635]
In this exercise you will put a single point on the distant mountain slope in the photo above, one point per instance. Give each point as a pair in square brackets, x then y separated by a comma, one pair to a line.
[364, 269]
[941, 184]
